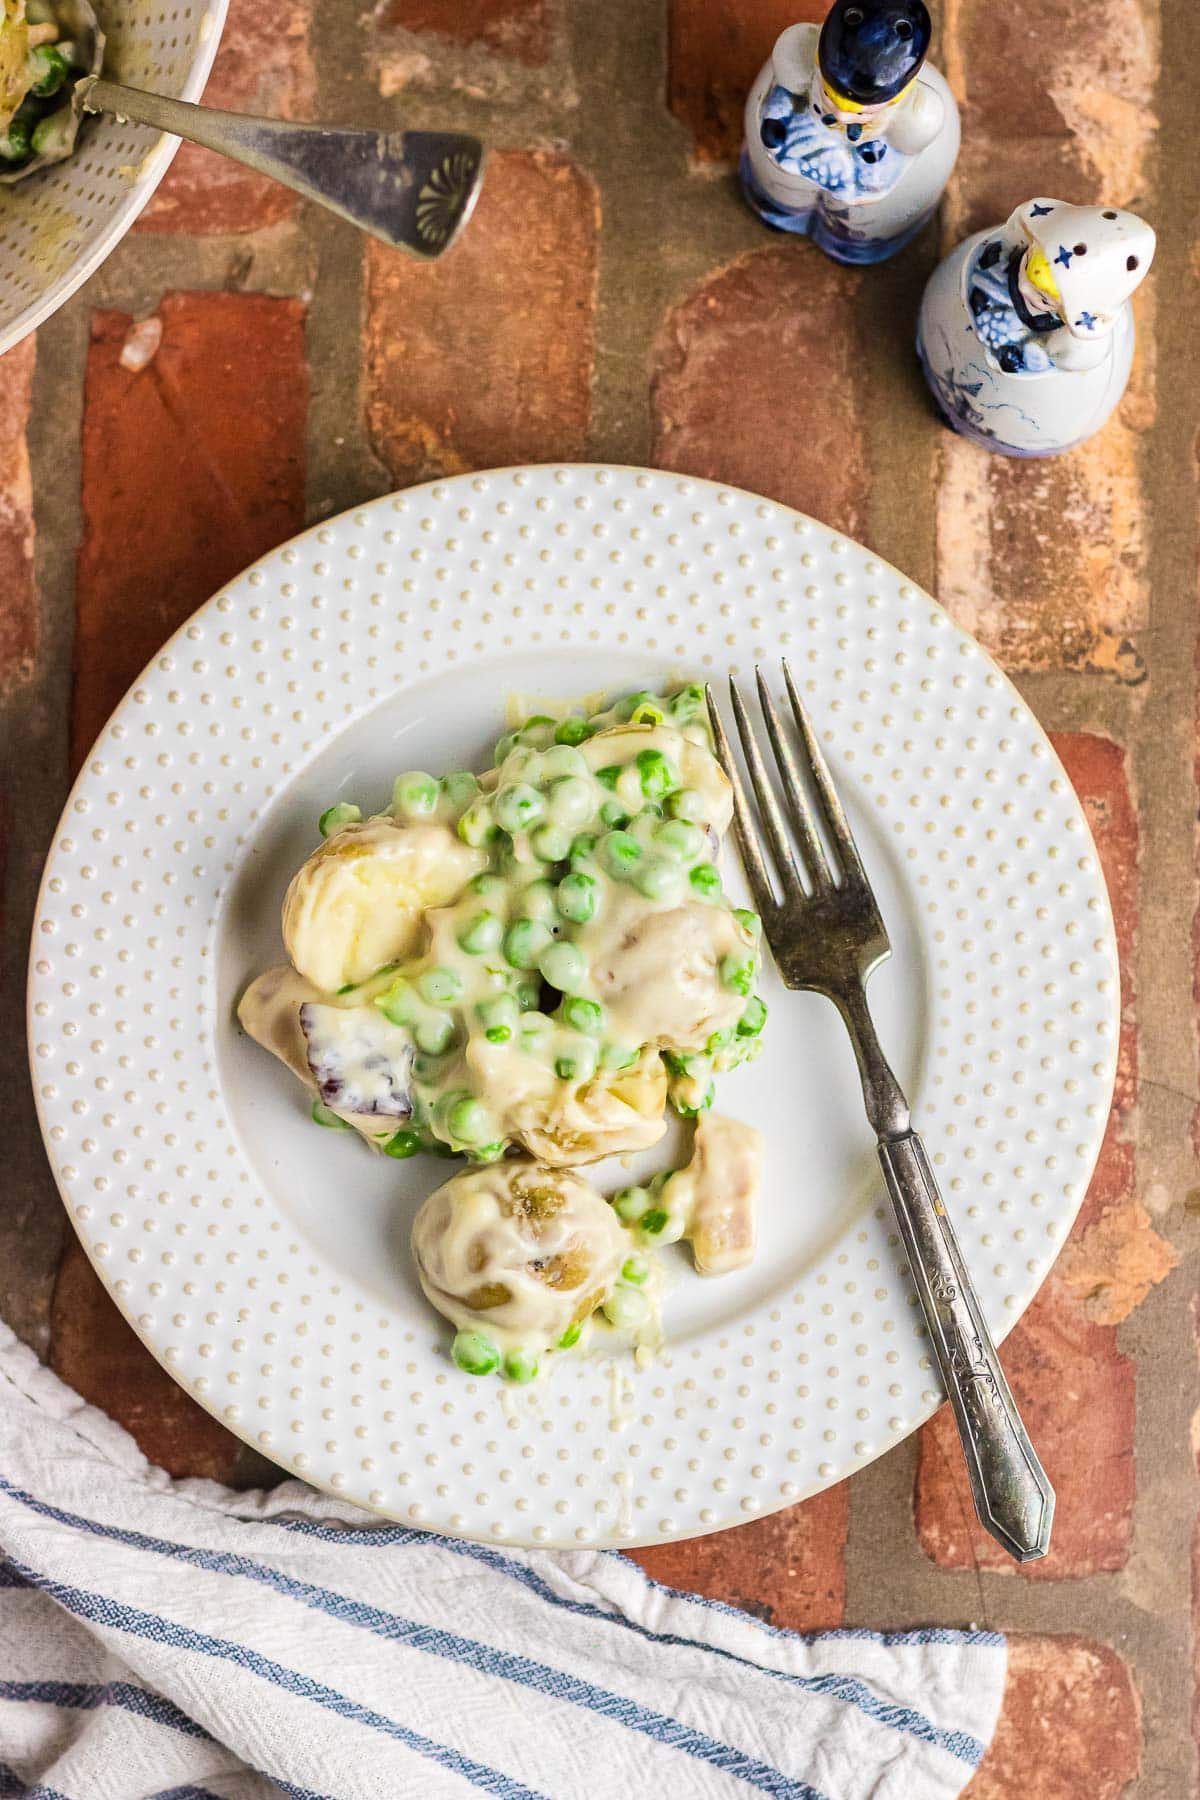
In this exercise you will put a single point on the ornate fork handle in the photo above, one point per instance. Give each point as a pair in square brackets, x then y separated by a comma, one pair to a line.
[1013, 1497]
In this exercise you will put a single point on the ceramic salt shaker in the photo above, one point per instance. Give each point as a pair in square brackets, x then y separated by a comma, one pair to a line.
[850, 134]
[1026, 331]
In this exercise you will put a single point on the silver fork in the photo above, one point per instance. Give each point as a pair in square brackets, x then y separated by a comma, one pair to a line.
[828, 940]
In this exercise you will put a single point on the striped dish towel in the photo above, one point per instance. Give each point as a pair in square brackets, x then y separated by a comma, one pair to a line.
[174, 1639]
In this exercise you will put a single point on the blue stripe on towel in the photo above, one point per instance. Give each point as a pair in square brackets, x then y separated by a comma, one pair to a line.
[433, 1640]
[847, 1688]
[87, 1696]
[117, 1617]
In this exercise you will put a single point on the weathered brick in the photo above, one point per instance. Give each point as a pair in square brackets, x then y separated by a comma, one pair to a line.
[716, 48]
[97, 1352]
[516, 28]
[192, 466]
[485, 358]
[1070, 1727]
[774, 336]
[18, 601]
[263, 66]
[1078, 127]
[1063, 1370]
[1046, 561]
[787, 1568]
[1062, 1358]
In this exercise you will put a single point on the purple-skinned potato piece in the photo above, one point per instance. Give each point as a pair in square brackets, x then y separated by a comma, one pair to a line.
[360, 1061]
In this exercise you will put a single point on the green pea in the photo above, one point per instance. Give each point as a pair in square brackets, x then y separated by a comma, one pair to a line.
[583, 1015]
[52, 134]
[488, 887]
[414, 795]
[334, 817]
[524, 942]
[322, 1115]
[397, 1005]
[573, 731]
[754, 1017]
[635, 1269]
[614, 814]
[677, 839]
[460, 788]
[631, 1205]
[717, 1040]
[520, 1365]
[536, 1030]
[504, 747]
[579, 1064]
[619, 1056]
[749, 921]
[551, 843]
[647, 712]
[537, 901]
[527, 991]
[48, 70]
[575, 898]
[488, 1153]
[561, 761]
[15, 145]
[687, 704]
[474, 1353]
[563, 966]
[658, 776]
[582, 849]
[609, 776]
[658, 879]
[686, 803]
[737, 973]
[498, 1016]
[435, 1034]
[678, 1062]
[570, 801]
[626, 1308]
[619, 851]
[467, 1120]
[570, 1336]
[477, 826]
[403, 1143]
[480, 934]
[705, 879]
[517, 807]
[654, 1221]
[440, 986]
[536, 723]
[625, 708]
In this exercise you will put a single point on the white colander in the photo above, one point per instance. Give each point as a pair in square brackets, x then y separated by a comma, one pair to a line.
[58, 226]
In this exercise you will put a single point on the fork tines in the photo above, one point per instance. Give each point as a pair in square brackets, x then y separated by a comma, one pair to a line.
[802, 814]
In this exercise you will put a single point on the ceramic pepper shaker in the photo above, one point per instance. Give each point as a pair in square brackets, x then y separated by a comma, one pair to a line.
[850, 135]
[1026, 332]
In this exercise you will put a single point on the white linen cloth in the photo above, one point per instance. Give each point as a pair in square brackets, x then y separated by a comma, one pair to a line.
[166, 1640]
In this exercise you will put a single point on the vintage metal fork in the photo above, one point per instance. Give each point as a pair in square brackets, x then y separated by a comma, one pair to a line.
[828, 938]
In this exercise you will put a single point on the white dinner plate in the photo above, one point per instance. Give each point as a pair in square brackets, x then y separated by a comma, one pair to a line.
[265, 1261]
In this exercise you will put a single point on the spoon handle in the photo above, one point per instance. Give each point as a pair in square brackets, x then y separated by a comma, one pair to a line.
[413, 189]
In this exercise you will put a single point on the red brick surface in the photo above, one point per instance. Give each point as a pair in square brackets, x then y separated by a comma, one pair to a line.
[772, 337]
[516, 28]
[18, 603]
[1070, 1726]
[193, 466]
[485, 358]
[788, 1569]
[263, 66]
[717, 48]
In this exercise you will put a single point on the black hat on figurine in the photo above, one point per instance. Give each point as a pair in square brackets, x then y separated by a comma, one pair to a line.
[869, 50]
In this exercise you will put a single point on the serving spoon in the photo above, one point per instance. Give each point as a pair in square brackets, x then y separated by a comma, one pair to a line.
[412, 189]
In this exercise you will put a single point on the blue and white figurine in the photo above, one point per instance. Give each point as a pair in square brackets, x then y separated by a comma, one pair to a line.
[850, 136]
[1026, 332]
